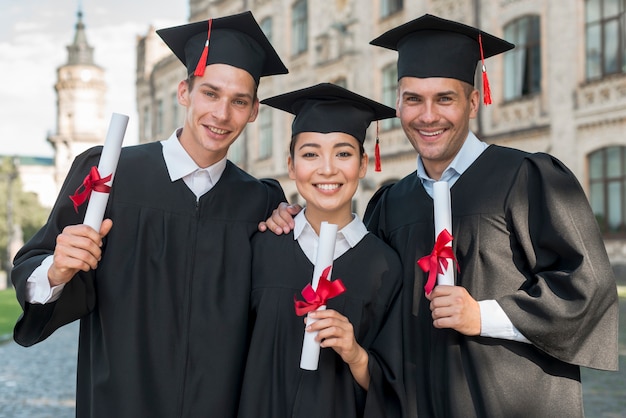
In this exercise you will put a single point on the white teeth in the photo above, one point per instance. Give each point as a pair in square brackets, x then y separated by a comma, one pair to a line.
[217, 131]
[431, 133]
[328, 186]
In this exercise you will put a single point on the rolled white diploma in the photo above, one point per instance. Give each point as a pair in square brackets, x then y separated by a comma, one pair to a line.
[310, 356]
[107, 165]
[443, 220]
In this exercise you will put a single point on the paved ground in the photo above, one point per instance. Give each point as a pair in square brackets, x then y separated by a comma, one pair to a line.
[39, 382]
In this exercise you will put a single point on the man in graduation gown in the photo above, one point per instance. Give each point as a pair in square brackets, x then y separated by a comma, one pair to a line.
[162, 289]
[535, 296]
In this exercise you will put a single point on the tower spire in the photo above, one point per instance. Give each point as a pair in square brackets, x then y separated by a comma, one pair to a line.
[80, 52]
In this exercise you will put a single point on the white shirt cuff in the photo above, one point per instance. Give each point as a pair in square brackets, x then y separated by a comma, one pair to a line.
[38, 289]
[495, 323]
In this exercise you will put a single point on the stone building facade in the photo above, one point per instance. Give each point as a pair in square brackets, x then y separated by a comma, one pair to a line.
[562, 90]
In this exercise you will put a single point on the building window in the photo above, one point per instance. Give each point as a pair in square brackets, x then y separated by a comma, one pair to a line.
[147, 132]
[236, 152]
[265, 133]
[300, 27]
[522, 65]
[605, 37]
[389, 7]
[159, 117]
[607, 178]
[266, 27]
[390, 91]
[175, 110]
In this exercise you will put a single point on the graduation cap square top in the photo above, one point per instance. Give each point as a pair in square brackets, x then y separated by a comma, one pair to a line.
[430, 46]
[235, 40]
[329, 108]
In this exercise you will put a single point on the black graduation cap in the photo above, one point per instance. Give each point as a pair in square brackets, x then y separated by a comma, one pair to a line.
[329, 108]
[430, 46]
[235, 40]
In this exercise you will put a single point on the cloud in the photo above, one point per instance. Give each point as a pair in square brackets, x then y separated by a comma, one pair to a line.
[33, 40]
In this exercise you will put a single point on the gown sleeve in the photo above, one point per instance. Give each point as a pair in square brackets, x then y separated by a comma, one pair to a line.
[568, 304]
[275, 194]
[37, 321]
[373, 217]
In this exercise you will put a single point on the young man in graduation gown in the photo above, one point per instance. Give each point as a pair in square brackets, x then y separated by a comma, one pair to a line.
[162, 289]
[359, 373]
[535, 296]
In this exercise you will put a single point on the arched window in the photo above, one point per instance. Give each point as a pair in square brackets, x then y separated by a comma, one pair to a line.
[522, 65]
[607, 185]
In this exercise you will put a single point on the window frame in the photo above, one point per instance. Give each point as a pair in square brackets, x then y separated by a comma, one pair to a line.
[522, 65]
[602, 181]
[389, 95]
[299, 27]
[599, 23]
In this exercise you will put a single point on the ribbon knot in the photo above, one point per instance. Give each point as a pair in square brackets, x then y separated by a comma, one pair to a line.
[313, 299]
[93, 182]
[437, 260]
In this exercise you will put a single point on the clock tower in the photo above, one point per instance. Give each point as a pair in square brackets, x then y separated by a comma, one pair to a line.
[81, 91]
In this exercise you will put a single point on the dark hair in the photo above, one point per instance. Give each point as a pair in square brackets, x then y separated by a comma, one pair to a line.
[292, 146]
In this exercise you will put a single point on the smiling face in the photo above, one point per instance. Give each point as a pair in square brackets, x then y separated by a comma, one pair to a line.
[219, 105]
[327, 169]
[435, 115]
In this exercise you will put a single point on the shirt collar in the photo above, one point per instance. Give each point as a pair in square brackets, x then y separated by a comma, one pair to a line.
[348, 237]
[469, 152]
[180, 164]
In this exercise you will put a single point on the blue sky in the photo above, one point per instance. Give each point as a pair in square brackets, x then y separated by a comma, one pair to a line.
[33, 39]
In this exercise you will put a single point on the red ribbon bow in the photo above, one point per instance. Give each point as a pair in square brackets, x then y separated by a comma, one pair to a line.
[92, 182]
[437, 261]
[316, 298]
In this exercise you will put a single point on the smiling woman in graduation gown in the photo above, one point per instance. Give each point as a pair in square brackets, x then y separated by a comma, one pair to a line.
[326, 150]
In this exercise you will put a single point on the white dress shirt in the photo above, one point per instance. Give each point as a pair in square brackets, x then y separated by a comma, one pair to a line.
[347, 237]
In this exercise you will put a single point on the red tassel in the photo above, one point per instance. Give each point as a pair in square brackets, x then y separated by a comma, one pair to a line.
[377, 165]
[205, 54]
[486, 87]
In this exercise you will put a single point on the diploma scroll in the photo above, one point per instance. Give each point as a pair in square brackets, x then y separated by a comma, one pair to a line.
[107, 165]
[309, 358]
[443, 220]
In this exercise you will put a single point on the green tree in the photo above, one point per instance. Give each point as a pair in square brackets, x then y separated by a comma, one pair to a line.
[18, 207]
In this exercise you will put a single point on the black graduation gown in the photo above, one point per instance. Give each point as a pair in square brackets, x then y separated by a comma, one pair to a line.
[163, 329]
[524, 235]
[274, 385]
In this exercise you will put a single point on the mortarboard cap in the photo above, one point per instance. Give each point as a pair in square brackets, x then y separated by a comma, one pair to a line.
[329, 108]
[430, 46]
[235, 40]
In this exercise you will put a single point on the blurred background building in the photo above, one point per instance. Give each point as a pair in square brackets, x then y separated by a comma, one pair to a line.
[562, 90]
